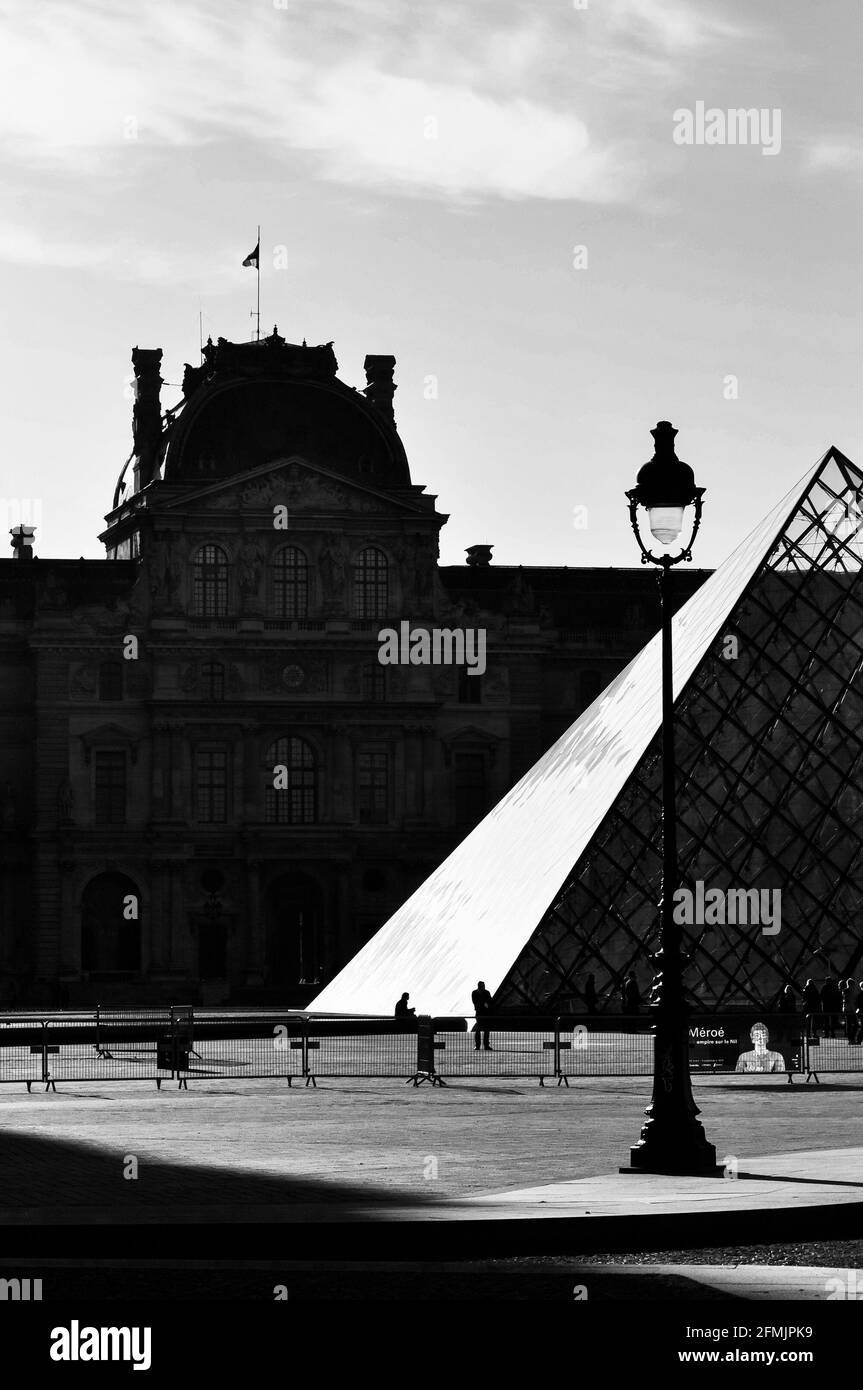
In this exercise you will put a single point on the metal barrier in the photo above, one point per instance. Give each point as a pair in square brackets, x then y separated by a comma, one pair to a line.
[182, 1042]
[516, 1046]
[832, 1043]
[268, 1045]
[614, 1045]
[361, 1047]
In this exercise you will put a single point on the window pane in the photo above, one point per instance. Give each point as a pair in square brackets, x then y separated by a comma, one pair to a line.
[291, 583]
[111, 680]
[214, 680]
[374, 681]
[371, 586]
[372, 785]
[296, 803]
[469, 688]
[210, 582]
[211, 785]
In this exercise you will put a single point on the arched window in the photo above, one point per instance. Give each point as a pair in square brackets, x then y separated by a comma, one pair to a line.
[210, 582]
[291, 583]
[371, 583]
[111, 680]
[291, 796]
[111, 925]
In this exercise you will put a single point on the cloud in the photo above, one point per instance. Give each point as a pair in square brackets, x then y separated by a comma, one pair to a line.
[423, 137]
[81, 89]
[676, 26]
[835, 156]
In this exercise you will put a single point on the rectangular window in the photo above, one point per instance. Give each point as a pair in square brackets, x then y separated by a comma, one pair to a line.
[374, 681]
[109, 788]
[211, 785]
[469, 688]
[373, 785]
[471, 795]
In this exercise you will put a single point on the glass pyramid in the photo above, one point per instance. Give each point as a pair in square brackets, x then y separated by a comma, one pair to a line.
[562, 878]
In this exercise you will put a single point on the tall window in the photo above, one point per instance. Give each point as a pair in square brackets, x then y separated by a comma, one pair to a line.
[210, 582]
[211, 785]
[469, 687]
[109, 788]
[294, 801]
[373, 784]
[374, 681]
[111, 680]
[471, 794]
[291, 581]
[213, 673]
[371, 584]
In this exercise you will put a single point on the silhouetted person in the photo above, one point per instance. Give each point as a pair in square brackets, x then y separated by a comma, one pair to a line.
[481, 1000]
[402, 1010]
[590, 994]
[787, 1001]
[631, 995]
[858, 1036]
[850, 993]
[831, 1004]
[811, 998]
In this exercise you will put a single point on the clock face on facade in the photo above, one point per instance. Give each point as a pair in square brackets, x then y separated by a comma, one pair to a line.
[293, 677]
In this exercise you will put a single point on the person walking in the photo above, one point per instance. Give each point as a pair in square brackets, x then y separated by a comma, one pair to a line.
[590, 994]
[858, 1032]
[831, 1005]
[788, 1001]
[481, 1000]
[849, 992]
[631, 995]
[402, 1010]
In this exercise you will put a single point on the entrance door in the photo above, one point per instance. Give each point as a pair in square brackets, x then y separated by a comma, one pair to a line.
[294, 921]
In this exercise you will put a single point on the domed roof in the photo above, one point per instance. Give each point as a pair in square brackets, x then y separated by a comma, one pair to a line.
[249, 403]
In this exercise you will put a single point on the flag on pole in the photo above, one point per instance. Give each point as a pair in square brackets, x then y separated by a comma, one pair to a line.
[254, 257]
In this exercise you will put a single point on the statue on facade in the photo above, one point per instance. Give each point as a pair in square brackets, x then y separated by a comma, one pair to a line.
[252, 560]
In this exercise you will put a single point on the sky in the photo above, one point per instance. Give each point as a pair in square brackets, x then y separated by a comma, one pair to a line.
[497, 193]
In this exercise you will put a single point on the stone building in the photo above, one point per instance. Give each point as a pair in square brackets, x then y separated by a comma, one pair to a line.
[211, 789]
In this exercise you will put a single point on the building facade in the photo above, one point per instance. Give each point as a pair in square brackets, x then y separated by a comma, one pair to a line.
[211, 788]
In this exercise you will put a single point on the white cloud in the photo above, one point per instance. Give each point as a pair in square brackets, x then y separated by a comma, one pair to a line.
[676, 26]
[835, 156]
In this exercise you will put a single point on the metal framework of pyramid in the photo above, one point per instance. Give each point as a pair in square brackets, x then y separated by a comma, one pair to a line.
[562, 878]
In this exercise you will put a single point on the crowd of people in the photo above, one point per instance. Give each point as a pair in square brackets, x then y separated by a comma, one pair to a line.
[835, 1006]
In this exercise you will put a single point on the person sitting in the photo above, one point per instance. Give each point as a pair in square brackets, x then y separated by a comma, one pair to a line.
[402, 1010]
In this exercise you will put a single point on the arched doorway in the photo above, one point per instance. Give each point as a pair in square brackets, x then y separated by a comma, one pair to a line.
[110, 926]
[294, 926]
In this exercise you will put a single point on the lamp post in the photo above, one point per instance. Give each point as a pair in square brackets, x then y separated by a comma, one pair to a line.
[672, 1138]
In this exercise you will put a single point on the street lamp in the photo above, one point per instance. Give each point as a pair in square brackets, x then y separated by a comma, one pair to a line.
[672, 1138]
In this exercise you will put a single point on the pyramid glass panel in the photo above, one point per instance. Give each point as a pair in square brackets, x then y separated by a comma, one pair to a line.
[562, 878]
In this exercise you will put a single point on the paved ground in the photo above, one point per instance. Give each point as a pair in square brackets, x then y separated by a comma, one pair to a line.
[257, 1142]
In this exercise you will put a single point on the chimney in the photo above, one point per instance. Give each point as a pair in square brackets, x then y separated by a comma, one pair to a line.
[146, 414]
[479, 554]
[381, 388]
[22, 541]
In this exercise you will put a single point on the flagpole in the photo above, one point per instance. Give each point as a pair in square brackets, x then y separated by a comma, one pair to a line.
[259, 282]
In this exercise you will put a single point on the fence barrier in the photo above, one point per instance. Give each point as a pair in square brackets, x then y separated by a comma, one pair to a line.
[182, 1042]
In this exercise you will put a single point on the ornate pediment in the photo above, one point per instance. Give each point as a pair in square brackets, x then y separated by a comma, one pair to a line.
[301, 488]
